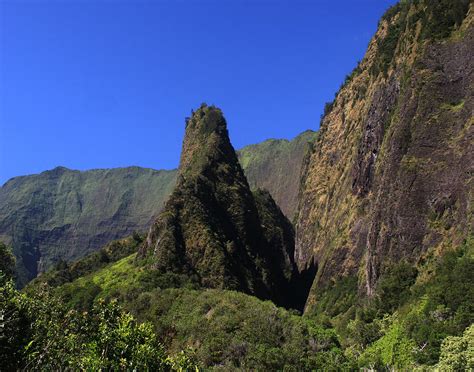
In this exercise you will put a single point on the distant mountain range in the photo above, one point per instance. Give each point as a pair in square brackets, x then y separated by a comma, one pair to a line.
[64, 214]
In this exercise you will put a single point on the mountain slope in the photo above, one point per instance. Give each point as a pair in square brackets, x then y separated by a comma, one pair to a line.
[275, 165]
[390, 179]
[226, 330]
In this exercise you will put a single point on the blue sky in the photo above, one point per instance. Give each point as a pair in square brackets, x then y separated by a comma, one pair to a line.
[97, 84]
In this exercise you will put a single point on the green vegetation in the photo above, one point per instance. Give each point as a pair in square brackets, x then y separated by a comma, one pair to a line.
[396, 18]
[410, 318]
[338, 297]
[441, 17]
[112, 252]
[62, 214]
[225, 329]
[7, 261]
[457, 353]
[275, 165]
[453, 106]
[438, 18]
[410, 322]
[38, 332]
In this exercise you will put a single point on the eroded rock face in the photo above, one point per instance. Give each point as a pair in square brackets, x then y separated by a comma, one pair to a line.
[211, 226]
[390, 179]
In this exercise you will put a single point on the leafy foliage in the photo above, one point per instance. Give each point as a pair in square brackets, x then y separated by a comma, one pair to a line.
[14, 325]
[414, 312]
[112, 252]
[393, 350]
[457, 353]
[393, 289]
[225, 329]
[446, 306]
[7, 262]
[416, 316]
[396, 17]
[40, 333]
[338, 296]
[441, 17]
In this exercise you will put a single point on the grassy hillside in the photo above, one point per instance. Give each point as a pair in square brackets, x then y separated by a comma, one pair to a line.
[419, 318]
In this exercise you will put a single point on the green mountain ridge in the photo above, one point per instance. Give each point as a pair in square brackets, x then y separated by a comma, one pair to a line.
[63, 214]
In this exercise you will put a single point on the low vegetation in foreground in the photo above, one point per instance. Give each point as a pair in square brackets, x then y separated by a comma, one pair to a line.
[421, 319]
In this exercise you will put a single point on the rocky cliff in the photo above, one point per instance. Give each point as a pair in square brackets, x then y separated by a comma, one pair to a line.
[391, 177]
[212, 228]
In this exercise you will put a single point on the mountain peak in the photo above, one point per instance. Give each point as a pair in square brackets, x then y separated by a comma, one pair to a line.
[206, 138]
[211, 226]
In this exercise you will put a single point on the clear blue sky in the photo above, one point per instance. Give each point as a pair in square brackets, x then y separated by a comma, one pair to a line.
[97, 84]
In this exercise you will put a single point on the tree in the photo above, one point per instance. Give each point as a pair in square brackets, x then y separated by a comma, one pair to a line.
[457, 353]
[39, 332]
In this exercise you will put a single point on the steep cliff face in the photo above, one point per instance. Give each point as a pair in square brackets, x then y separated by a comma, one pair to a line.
[211, 227]
[390, 179]
[64, 214]
[275, 165]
